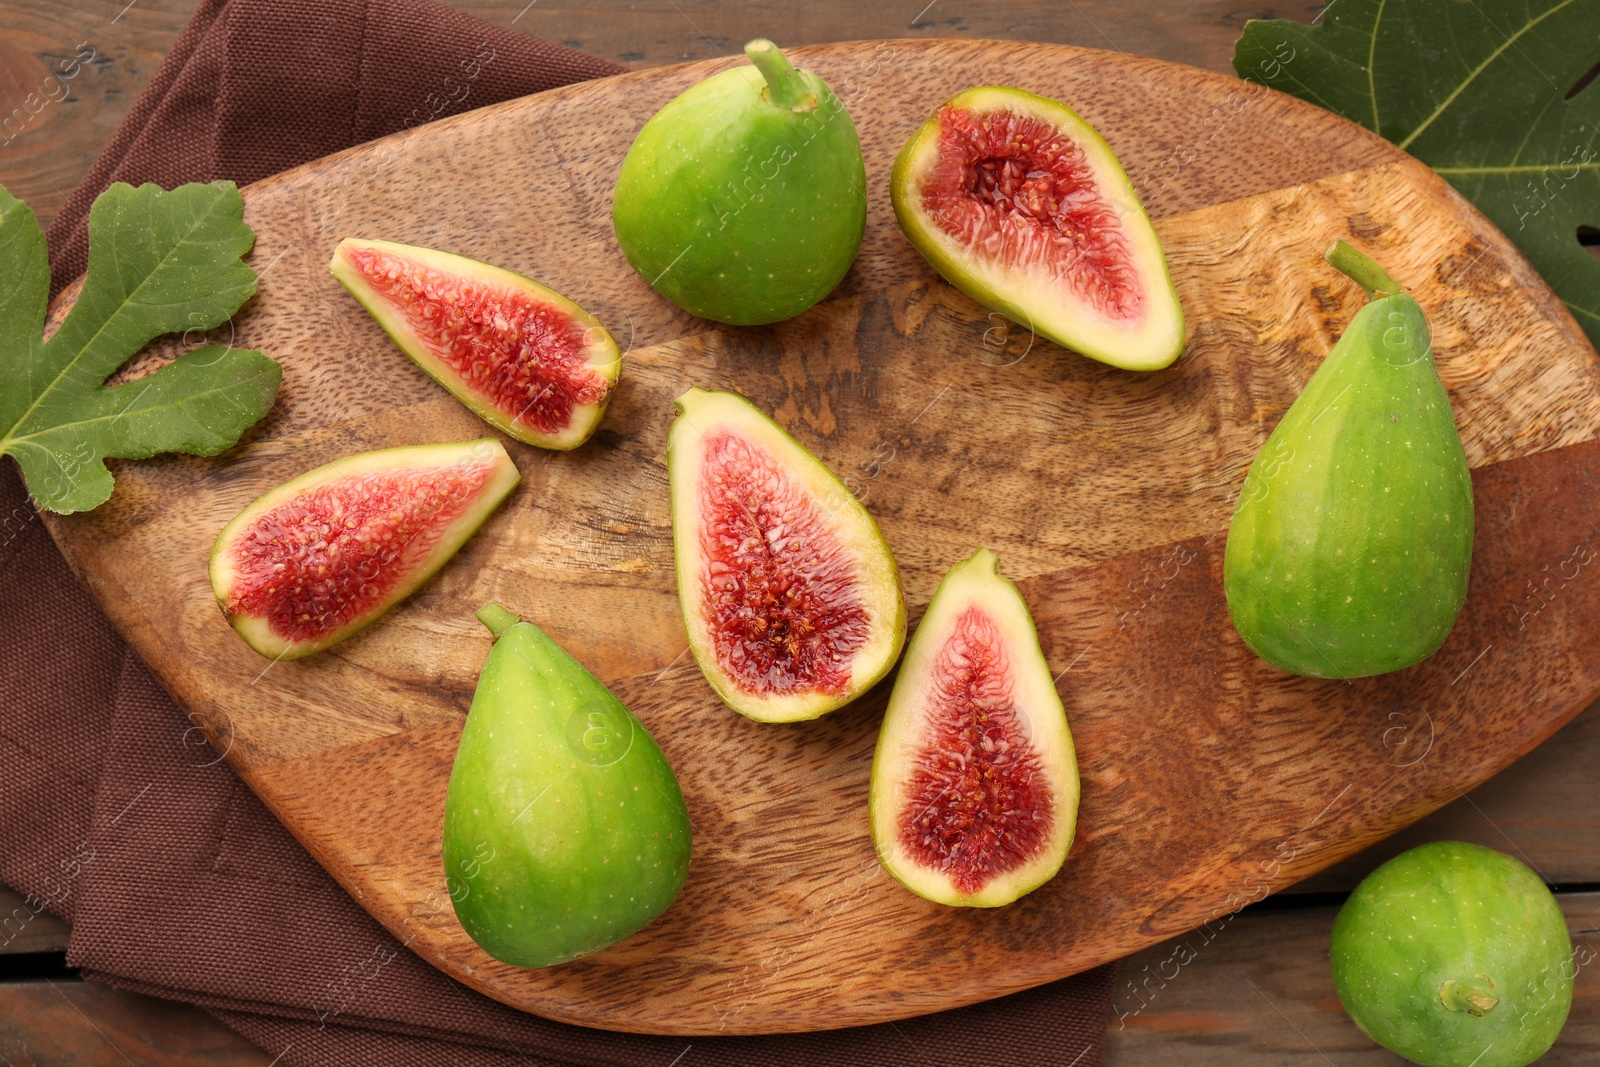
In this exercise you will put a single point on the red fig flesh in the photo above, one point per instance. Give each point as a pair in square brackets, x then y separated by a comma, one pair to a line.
[974, 795]
[790, 595]
[1020, 204]
[526, 359]
[320, 557]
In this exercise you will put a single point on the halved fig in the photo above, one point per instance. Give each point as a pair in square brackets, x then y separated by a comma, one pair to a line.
[1020, 204]
[526, 359]
[321, 556]
[974, 794]
[789, 592]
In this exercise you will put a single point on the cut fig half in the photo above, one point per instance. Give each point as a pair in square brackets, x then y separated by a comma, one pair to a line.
[1020, 204]
[974, 796]
[527, 360]
[321, 556]
[790, 594]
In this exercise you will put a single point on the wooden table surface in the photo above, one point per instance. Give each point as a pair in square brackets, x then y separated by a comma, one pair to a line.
[1251, 991]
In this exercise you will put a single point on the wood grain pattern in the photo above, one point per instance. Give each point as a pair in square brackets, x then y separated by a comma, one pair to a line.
[1541, 810]
[1259, 991]
[51, 152]
[87, 1024]
[1209, 778]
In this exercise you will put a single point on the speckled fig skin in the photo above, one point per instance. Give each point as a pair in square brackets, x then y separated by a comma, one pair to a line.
[1351, 544]
[744, 199]
[1455, 955]
[564, 827]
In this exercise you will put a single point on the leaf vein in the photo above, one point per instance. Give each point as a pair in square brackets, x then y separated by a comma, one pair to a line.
[111, 317]
[1472, 76]
[225, 390]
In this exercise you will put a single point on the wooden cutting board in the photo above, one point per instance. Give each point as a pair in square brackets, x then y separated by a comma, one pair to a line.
[1209, 778]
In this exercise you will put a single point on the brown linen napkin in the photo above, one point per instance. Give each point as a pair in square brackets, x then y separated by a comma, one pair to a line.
[117, 815]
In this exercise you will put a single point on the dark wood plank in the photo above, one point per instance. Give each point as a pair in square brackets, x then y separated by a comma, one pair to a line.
[1544, 809]
[1198, 32]
[86, 1024]
[53, 149]
[25, 927]
[1257, 991]
[48, 146]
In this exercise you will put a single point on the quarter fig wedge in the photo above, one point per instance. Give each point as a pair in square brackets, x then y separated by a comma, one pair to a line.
[974, 797]
[1021, 204]
[524, 358]
[790, 595]
[321, 556]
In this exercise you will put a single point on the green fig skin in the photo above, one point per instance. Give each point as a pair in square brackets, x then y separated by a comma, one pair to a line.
[1455, 955]
[744, 199]
[564, 828]
[1351, 543]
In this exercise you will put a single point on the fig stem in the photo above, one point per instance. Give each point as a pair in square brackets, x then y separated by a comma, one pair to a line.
[785, 86]
[497, 618]
[1361, 270]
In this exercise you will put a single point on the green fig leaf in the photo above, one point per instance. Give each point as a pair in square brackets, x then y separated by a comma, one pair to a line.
[159, 262]
[1491, 94]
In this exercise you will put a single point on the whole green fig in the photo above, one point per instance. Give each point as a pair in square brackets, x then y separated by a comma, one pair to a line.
[1352, 539]
[744, 199]
[564, 829]
[1455, 955]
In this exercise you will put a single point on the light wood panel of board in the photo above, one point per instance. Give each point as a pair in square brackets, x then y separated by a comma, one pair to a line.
[1209, 778]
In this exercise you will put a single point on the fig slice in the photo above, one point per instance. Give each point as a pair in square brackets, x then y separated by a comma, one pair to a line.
[527, 360]
[790, 595]
[321, 556]
[974, 795]
[1020, 204]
